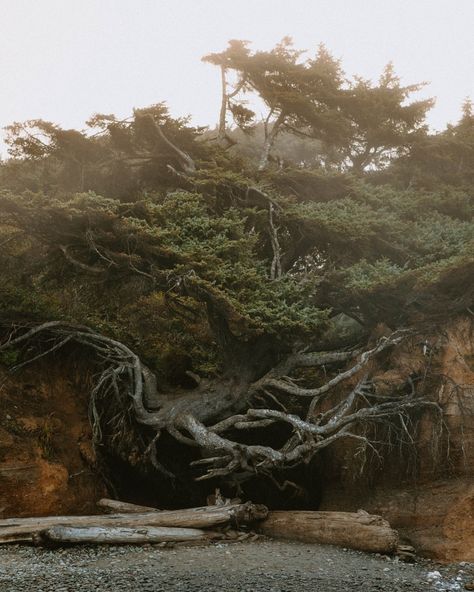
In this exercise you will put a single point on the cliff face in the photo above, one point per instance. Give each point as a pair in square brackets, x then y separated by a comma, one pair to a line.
[46, 457]
[47, 464]
[427, 492]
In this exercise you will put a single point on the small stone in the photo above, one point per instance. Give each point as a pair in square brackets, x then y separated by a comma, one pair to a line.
[432, 576]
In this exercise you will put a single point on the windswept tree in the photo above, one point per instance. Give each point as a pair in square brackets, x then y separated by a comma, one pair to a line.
[241, 317]
[66, 152]
[115, 156]
[382, 123]
[445, 158]
[249, 290]
[360, 125]
[286, 85]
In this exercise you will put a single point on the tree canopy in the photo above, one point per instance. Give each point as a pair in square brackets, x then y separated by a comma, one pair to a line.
[217, 267]
[359, 124]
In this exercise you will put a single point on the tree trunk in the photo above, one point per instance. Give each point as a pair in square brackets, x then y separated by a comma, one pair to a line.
[117, 507]
[113, 535]
[24, 529]
[221, 132]
[269, 141]
[360, 530]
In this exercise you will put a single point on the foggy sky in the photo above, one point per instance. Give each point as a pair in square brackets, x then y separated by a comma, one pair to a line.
[63, 60]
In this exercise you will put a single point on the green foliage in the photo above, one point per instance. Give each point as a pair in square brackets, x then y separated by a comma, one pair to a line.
[364, 275]
[9, 357]
[118, 158]
[358, 125]
[446, 158]
[191, 267]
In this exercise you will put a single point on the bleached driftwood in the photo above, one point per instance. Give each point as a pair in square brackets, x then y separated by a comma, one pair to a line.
[114, 535]
[117, 507]
[359, 530]
[24, 529]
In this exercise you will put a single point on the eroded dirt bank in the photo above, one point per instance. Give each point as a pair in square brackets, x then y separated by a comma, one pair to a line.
[266, 566]
[47, 462]
[426, 491]
[47, 465]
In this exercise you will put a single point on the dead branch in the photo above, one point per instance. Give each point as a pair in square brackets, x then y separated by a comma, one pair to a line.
[80, 264]
[275, 269]
[187, 163]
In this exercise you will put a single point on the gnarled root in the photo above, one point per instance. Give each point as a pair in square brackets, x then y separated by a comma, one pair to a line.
[203, 418]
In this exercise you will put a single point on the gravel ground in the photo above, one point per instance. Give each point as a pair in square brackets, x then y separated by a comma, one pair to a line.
[261, 566]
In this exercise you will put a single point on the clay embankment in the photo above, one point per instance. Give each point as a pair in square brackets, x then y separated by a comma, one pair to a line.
[428, 493]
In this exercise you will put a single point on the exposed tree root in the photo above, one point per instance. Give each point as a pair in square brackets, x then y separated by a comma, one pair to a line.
[212, 419]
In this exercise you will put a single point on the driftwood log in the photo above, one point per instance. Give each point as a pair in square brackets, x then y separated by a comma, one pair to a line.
[360, 530]
[25, 529]
[114, 535]
[117, 507]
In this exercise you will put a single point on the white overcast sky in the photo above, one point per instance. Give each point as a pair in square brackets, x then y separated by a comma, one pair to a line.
[63, 60]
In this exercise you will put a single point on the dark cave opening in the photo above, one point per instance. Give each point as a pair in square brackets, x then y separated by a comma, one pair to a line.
[299, 488]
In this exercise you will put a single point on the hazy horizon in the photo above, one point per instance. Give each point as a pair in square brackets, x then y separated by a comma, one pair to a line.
[63, 60]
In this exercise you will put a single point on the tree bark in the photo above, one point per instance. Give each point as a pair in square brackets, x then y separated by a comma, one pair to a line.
[269, 141]
[24, 529]
[113, 535]
[186, 161]
[117, 507]
[361, 531]
[221, 133]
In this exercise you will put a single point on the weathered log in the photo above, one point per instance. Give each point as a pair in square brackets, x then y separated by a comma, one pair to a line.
[360, 530]
[24, 529]
[117, 507]
[114, 535]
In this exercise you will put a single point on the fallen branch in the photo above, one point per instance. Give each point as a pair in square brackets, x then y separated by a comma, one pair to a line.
[115, 506]
[360, 530]
[25, 529]
[113, 535]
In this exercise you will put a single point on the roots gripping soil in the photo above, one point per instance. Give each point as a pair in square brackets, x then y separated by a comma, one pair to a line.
[212, 416]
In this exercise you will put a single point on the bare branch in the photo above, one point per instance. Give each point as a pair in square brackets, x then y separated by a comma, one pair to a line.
[275, 269]
[292, 389]
[186, 161]
[29, 334]
[42, 354]
[77, 263]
